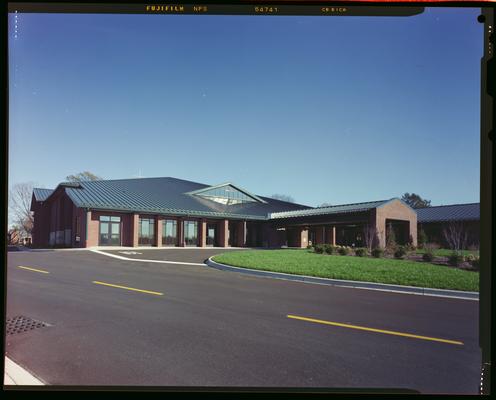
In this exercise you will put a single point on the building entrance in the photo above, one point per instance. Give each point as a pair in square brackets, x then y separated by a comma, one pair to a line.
[211, 235]
[110, 231]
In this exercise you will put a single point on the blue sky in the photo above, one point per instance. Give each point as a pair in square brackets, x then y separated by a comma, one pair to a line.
[324, 109]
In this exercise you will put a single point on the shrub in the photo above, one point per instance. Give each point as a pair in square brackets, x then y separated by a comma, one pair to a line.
[475, 263]
[309, 247]
[409, 247]
[455, 259]
[400, 252]
[344, 251]
[361, 252]
[422, 238]
[469, 258]
[329, 249]
[428, 256]
[377, 252]
[318, 248]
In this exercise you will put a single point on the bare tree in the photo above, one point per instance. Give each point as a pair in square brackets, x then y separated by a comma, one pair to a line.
[370, 237]
[456, 236]
[390, 238]
[20, 207]
[283, 197]
[83, 177]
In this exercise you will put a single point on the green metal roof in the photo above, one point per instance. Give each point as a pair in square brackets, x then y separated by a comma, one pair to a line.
[168, 196]
[338, 209]
[172, 196]
[452, 212]
[41, 194]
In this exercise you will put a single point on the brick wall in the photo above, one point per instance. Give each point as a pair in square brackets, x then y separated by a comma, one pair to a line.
[395, 210]
[223, 228]
[41, 224]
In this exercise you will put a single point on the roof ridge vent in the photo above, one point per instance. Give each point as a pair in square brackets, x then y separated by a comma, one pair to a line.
[75, 185]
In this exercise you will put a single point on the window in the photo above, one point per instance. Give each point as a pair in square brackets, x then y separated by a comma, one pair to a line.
[146, 231]
[169, 232]
[190, 233]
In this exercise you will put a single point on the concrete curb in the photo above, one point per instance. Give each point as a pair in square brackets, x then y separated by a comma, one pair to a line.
[16, 375]
[455, 294]
[124, 248]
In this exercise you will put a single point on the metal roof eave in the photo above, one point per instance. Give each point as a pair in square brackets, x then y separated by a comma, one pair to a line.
[300, 215]
[331, 210]
[174, 212]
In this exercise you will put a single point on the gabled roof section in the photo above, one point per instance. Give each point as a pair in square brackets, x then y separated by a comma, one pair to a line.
[453, 212]
[227, 193]
[41, 194]
[168, 196]
[401, 201]
[338, 209]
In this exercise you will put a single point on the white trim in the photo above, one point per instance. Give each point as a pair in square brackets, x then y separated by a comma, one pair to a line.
[141, 260]
[14, 374]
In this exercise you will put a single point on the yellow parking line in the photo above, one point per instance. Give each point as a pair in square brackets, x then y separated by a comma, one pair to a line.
[33, 269]
[363, 328]
[128, 288]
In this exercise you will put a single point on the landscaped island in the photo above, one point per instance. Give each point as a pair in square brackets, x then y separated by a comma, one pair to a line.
[368, 269]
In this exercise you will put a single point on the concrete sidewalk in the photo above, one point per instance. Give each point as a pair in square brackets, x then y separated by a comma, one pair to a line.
[16, 375]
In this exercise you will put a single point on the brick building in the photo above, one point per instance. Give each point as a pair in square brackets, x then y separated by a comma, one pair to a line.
[465, 217]
[174, 212]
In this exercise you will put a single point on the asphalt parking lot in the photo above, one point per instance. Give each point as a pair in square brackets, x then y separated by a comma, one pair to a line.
[184, 254]
[127, 322]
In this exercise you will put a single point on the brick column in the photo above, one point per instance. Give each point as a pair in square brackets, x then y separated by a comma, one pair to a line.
[202, 240]
[241, 227]
[379, 222]
[158, 231]
[413, 232]
[180, 232]
[87, 223]
[332, 235]
[223, 233]
[134, 231]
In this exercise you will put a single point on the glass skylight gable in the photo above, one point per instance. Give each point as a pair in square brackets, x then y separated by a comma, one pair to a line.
[227, 195]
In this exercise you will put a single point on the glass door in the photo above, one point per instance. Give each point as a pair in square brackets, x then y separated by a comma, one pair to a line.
[146, 232]
[210, 234]
[110, 231]
[169, 232]
[190, 233]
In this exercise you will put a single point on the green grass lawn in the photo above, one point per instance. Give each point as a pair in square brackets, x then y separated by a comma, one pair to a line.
[381, 270]
[448, 252]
